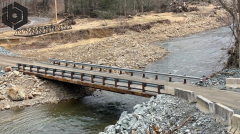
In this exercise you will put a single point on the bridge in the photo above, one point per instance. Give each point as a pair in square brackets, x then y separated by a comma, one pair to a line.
[121, 80]
[114, 79]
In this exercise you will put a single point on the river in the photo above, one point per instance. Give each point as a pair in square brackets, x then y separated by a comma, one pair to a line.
[195, 55]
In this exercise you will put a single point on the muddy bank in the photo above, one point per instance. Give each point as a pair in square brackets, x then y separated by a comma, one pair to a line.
[19, 91]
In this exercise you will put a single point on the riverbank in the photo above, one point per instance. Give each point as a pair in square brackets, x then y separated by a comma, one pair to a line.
[20, 91]
[163, 114]
[131, 49]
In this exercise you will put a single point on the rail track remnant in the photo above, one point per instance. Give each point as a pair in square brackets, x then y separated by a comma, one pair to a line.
[34, 31]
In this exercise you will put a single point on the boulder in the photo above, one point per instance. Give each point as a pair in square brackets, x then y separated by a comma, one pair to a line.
[2, 97]
[8, 69]
[16, 94]
[16, 73]
[36, 94]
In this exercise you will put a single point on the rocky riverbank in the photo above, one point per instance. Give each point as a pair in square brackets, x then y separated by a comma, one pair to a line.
[164, 114]
[19, 91]
[218, 80]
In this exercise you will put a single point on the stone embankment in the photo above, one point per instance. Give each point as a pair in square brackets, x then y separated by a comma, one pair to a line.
[218, 80]
[165, 114]
[19, 91]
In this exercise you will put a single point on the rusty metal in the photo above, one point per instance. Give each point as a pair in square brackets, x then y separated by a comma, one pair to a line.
[30, 68]
[185, 81]
[72, 75]
[37, 69]
[120, 72]
[103, 80]
[54, 70]
[100, 70]
[131, 73]
[91, 68]
[92, 76]
[34, 31]
[129, 85]
[143, 87]
[159, 88]
[116, 82]
[170, 79]
[110, 70]
[143, 75]
[66, 64]
[45, 71]
[156, 77]
[82, 77]
[82, 67]
[104, 87]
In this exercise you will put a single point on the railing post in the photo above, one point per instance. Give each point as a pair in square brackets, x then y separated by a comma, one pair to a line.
[120, 72]
[66, 64]
[24, 67]
[30, 68]
[143, 87]
[156, 78]
[62, 73]
[72, 75]
[143, 75]
[185, 81]
[37, 69]
[116, 82]
[82, 67]
[159, 92]
[92, 77]
[45, 71]
[59, 63]
[100, 69]
[129, 85]
[103, 80]
[91, 68]
[131, 73]
[54, 70]
[53, 62]
[82, 77]
[170, 79]
[18, 67]
[74, 65]
[110, 70]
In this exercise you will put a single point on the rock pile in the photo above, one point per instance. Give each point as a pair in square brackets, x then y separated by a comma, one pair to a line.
[18, 90]
[218, 80]
[164, 114]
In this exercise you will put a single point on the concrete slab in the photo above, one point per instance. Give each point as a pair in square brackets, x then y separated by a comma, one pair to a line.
[234, 126]
[205, 105]
[233, 83]
[223, 111]
[185, 94]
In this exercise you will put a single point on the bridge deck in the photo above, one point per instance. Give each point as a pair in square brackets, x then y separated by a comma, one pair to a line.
[228, 98]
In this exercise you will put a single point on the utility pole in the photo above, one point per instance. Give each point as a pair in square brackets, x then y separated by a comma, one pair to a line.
[56, 15]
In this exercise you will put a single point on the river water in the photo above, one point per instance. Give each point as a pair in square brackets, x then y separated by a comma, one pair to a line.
[195, 55]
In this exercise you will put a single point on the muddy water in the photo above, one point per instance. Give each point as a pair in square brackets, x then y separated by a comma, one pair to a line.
[89, 116]
[195, 55]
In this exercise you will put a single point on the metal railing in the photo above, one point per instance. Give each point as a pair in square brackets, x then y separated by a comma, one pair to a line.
[131, 71]
[78, 75]
[34, 31]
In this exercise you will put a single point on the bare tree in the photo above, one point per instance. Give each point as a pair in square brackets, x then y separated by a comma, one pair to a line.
[233, 8]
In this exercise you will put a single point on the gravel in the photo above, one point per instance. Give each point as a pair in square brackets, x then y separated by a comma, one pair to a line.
[166, 113]
[219, 80]
[6, 52]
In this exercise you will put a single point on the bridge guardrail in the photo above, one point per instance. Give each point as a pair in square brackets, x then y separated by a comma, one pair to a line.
[56, 61]
[80, 76]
